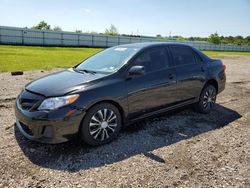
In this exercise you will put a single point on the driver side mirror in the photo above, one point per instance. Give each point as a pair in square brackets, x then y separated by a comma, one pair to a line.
[136, 71]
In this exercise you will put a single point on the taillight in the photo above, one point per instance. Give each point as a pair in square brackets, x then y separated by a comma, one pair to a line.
[224, 67]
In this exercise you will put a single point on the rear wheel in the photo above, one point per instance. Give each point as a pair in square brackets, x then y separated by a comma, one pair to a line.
[207, 99]
[101, 124]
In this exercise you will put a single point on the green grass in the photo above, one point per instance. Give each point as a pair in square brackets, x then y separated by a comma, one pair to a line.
[15, 58]
[221, 54]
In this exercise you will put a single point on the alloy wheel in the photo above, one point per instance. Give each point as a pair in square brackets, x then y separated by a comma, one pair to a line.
[209, 98]
[103, 124]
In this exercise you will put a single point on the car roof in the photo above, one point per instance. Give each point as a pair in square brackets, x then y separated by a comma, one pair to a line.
[142, 45]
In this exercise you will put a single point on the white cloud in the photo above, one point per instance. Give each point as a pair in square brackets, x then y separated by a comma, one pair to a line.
[87, 10]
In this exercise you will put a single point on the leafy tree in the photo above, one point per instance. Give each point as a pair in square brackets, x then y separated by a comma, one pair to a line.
[239, 40]
[78, 31]
[214, 38]
[111, 31]
[179, 38]
[158, 36]
[196, 39]
[57, 28]
[247, 39]
[42, 26]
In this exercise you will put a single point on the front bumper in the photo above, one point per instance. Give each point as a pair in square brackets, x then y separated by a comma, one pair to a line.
[51, 127]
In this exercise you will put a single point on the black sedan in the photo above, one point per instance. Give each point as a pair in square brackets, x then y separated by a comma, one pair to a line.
[115, 87]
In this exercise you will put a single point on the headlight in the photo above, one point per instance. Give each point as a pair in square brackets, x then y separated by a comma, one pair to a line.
[56, 102]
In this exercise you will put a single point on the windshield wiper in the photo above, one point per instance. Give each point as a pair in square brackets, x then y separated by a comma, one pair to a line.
[86, 71]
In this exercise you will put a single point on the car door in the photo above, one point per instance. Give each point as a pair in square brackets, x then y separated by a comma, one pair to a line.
[190, 72]
[156, 88]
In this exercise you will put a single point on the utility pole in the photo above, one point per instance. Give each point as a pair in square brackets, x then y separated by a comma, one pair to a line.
[170, 34]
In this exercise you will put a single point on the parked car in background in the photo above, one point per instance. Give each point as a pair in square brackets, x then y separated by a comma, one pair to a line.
[116, 87]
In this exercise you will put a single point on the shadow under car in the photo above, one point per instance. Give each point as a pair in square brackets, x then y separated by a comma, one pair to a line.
[139, 138]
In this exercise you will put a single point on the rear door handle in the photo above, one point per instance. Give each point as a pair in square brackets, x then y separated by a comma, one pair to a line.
[202, 69]
[170, 76]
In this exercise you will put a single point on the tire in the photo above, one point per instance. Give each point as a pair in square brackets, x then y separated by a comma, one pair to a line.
[101, 124]
[207, 99]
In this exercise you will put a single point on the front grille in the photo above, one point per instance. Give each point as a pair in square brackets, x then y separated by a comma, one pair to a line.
[27, 104]
[26, 129]
[29, 101]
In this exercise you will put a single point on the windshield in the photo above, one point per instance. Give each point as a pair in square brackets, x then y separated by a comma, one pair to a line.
[107, 61]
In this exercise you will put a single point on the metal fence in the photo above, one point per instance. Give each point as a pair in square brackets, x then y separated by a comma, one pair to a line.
[23, 36]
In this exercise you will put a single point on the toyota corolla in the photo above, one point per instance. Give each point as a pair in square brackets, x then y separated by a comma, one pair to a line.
[116, 87]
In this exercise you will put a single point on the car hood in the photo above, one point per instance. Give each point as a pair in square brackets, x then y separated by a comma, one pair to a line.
[61, 83]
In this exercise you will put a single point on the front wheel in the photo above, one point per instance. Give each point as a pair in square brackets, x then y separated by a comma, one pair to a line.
[101, 124]
[207, 99]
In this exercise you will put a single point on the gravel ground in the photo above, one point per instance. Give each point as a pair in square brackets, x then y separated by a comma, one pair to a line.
[180, 149]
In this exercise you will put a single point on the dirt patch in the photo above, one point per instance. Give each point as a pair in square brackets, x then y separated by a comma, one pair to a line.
[178, 149]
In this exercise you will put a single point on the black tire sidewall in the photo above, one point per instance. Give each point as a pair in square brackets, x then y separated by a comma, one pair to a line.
[85, 133]
[200, 104]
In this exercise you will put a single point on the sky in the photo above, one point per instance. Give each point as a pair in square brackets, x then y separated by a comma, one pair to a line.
[187, 18]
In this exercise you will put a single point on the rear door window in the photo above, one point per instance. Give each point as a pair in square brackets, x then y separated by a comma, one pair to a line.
[182, 55]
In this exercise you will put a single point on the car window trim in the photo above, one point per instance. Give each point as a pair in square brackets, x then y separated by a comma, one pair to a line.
[170, 57]
[195, 55]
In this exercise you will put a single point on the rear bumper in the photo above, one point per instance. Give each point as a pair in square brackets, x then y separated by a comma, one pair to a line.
[49, 127]
[221, 82]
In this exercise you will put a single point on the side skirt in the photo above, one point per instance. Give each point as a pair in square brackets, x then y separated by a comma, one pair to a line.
[161, 111]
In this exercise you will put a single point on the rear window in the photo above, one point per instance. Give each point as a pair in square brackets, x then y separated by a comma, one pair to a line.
[182, 55]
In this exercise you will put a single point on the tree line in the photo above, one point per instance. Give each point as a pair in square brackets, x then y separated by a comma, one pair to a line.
[45, 26]
[214, 38]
